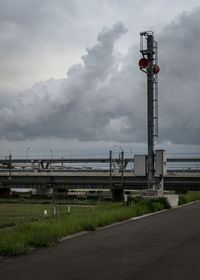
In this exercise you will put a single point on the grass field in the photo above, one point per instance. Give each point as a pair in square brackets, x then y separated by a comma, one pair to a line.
[31, 229]
[16, 214]
[188, 197]
[47, 200]
[23, 226]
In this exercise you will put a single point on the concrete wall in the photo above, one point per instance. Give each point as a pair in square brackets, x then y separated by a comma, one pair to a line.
[172, 199]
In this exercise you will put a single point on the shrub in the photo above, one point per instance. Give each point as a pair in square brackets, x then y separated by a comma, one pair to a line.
[188, 197]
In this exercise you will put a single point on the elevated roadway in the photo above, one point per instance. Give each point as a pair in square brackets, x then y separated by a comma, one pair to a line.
[85, 160]
[67, 180]
[54, 173]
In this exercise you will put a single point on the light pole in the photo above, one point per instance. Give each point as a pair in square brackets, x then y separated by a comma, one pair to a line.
[131, 154]
[27, 149]
[51, 152]
[122, 151]
[119, 147]
[10, 164]
[121, 163]
[120, 154]
[114, 164]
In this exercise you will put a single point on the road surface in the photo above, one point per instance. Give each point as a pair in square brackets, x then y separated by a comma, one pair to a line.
[162, 246]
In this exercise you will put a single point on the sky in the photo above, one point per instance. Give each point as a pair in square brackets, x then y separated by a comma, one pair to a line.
[70, 79]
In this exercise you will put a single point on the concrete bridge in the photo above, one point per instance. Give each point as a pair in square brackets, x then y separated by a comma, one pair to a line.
[67, 180]
[44, 162]
[44, 174]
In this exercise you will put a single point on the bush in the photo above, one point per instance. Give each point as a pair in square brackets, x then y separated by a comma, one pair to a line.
[182, 200]
[188, 197]
[164, 202]
[149, 202]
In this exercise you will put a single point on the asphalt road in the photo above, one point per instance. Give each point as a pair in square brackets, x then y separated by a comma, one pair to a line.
[162, 246]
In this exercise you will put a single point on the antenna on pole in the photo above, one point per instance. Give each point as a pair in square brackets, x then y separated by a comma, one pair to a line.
[149, 65]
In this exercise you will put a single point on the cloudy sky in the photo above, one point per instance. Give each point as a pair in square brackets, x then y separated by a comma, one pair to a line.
[70, 78]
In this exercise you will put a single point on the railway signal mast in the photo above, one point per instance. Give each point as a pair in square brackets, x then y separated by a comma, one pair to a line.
[149, 64]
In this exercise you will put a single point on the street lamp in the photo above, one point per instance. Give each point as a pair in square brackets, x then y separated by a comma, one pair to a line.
[10, 164]
[114, 163]
[117, 147]
[131, 153]
[121, 163]
[51, 152]
[121, 155]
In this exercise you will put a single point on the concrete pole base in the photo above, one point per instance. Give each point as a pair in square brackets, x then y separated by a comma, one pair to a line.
[150, 192]
[173, 199]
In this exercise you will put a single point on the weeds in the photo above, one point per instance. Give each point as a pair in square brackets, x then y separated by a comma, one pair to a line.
[6, 224]
[45, 231]
[188, 197]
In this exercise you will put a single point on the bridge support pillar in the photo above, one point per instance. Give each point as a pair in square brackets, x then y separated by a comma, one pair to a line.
[117, 194]
[61, 193]
[5, 192]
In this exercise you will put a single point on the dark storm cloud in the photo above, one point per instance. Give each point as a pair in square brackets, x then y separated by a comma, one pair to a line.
[105, 97]
[70, 107]
[179, 81]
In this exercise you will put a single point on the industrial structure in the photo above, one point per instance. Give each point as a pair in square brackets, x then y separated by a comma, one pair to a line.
[149, 65]
[112, 173]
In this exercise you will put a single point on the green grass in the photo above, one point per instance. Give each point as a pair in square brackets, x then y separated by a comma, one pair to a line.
[189, 197]
[45, 231]
[6, 224]
[17, 214]
[48, 200]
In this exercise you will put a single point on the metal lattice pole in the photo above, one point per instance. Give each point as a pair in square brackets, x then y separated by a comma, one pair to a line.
[148, 64]
[150, 111]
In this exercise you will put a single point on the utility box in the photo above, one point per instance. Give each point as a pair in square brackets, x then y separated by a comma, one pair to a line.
[140, 165]
[160, 162]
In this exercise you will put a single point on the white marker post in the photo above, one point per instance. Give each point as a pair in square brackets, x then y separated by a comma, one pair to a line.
[45, 213]
[125, 199]
[54, 210]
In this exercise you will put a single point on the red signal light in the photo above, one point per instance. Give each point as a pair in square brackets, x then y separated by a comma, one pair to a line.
[156, 69]
[143, 63]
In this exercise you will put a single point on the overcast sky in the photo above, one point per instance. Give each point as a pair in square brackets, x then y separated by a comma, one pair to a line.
[70, 78]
